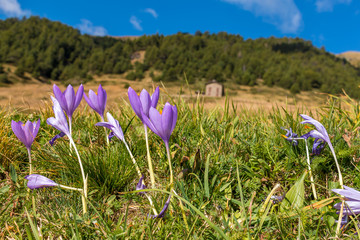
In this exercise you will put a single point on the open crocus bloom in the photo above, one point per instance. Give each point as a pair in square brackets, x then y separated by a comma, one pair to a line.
[27, 132]
[114, 126]
[162, 124]
[290, 135]
[39, 181]
[97, 101]
[320, 134]
[143, 102]
[59, 121]
[67, 99]
[352, 203]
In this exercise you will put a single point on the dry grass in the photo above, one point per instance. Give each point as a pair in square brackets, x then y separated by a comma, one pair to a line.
[352, 56]
[32, 94]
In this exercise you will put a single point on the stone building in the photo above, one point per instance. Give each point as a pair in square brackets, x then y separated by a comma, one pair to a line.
[214, 89]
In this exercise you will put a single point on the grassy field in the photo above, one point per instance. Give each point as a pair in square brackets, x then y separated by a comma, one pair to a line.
[228, 161]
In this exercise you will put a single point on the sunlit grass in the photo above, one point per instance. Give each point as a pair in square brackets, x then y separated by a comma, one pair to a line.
[215, 154]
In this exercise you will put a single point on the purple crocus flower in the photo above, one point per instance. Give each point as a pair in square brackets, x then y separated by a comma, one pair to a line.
[352, 203]
[290, 135]
[143, 102]
[162, 213]
[97, 101]
[27, 132]
[39, 181]
[59, 121]
[162, 124]
[60, 135]
[67, 99]
[114, 126]
[141, 185]
[320, 134]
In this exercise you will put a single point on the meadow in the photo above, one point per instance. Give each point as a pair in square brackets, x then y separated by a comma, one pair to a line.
[231, 167]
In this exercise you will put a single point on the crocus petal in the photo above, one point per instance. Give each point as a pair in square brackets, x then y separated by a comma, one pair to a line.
[155, 118]
[140, 185]
[94, 99]
[89, 102]
[102, 98]
[167, 121]
[79, 96]
[60, 135]
[39, 181]
[155, 97]
[350, 207]
[113, 125]
[319, 127]
[18, 131]
[60, 97]
[135, 102]
[28, 131]
[174, 108]
[104, 124]
[59, 122]
[149, 124]
[69, 95]
[36, 128]
[162, 213]
[348, 192]
[111, 135]
[145, 101]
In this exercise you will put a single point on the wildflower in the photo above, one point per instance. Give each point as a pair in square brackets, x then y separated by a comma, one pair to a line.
[290, 135]
[320, 134]
[67, 99]
[39, 181]
[27, 132]
[114, 126]
[352, 201]
[162, 124]
[162, 213]
[143, 102]
[97, 101]
[59, 121]
[141, 105]
[141, 185]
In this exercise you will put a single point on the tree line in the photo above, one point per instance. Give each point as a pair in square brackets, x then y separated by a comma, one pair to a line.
[52, 50]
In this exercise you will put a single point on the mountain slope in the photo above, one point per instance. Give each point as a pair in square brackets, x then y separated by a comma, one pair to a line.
[56, 51]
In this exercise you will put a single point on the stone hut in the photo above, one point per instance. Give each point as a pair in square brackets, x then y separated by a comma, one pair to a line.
[214, 89]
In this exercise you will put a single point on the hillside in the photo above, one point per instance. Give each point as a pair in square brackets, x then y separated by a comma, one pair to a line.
[52, 50]
[351, 56]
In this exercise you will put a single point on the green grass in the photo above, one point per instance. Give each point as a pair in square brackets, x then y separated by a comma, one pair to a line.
[226, 163]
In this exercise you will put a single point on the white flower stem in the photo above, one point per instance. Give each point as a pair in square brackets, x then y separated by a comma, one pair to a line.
[170, 165]
[106, 136]
[84, 195]
[70, 188]
[140, 175]
[151, 170]
[30, 165]
[133, 160]
[338, 168]
[70, 119]
[310, 172]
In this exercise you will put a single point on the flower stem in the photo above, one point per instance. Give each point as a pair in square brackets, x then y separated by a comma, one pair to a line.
[170, 165]
[106, 136]
[30, 165]
[70, 119]
[338, 167]
[140, 175]
[133, 160]
[152, 177]
[70, 188]
[310, 172]
[84, 195]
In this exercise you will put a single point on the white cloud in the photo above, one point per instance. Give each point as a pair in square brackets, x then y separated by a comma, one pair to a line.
[328, 5]
[152, 12]
[12, 8]
[87, 27]
[136, 23]
[284, 14]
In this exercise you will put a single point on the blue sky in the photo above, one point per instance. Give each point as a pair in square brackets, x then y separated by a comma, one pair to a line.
[334, 24]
